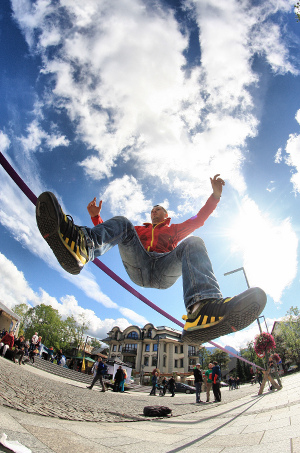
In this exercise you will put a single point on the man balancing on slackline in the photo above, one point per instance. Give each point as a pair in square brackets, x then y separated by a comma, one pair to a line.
[153, 259]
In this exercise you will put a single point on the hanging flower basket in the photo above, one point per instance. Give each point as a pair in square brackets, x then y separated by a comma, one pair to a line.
[263, 343]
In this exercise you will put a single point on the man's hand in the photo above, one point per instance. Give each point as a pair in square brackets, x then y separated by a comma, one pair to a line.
[93, 209]
[217, 185]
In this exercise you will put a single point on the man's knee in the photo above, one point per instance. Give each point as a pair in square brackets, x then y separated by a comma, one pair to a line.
[194, 243]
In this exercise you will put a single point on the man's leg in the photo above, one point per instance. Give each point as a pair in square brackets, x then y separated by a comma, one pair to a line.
[209, 315]
[72, 245]
[198, 390]
[96, 377]
[208, 388]
[5, 348]
[102, 383]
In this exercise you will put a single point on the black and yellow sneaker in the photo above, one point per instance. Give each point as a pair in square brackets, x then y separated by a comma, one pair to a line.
[217, 317]
[66, 240]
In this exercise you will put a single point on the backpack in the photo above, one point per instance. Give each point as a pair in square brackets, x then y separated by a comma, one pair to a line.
[157, 411]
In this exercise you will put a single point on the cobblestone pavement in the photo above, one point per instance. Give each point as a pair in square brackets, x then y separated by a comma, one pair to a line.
[24, 390]
[55, 415]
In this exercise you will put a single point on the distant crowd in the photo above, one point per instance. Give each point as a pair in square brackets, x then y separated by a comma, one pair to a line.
[20, 350]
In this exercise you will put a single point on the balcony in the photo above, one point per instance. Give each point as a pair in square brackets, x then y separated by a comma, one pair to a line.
[193, 353]
[129, 351]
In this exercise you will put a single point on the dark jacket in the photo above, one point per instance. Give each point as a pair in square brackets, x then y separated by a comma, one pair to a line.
[101, 368]
[198, 375]
[216, 373]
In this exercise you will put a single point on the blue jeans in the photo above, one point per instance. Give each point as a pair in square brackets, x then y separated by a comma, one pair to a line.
[157, 270]
[198, 386]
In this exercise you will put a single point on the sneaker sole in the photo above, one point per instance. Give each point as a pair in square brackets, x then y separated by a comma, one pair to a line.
[48, 222]
[248, 307]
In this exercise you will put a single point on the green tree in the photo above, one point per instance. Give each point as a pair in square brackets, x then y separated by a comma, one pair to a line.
[281, 350]
[95, 343]
[239, 371]
[290, 334]
[250, 354]
[204, 357]
[47, 322]
[221, 357]
[22, 311]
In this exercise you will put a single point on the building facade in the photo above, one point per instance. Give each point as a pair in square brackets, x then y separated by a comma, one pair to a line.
[8, 319]
[152, 347]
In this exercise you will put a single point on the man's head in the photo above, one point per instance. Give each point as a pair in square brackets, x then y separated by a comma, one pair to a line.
[99, 359]
[210, 366]
[158, 214]
[215, 363]
[198, 365]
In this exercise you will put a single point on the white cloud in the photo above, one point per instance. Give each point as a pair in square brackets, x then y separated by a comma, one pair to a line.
[37, 138]
[15, 290]
[125, 197]
[278, 156]
[293, 159]
[269, 249]
[4, 142]
[119, 73]
[140, 320]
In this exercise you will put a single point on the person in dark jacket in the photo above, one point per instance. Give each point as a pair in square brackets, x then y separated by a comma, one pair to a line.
[118, 378]
[198, 382]
[101, 371]
[172, 386]
[19, 351]
[154, 383]
[216, 378]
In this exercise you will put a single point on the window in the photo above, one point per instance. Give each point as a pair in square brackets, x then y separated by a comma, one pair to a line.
[147, 347]
[154, 361]
[116, 335]
[133, 335]
[181, 363]
[192, 362]
[176, 349]
[155, 347]
[146, 361]
[130, 347]
[149, 333]
[175, 363]
[114, 348]
[120, 347]
[165, 347]
[192, 351]
[164, 361]
[181, 349]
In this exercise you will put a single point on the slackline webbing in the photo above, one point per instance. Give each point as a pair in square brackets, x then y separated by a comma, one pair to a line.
[32, 197]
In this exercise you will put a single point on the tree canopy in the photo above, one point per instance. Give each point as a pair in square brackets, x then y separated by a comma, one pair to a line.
[55, 332]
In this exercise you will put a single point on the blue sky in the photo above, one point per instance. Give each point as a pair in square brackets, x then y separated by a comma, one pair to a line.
[139, 103]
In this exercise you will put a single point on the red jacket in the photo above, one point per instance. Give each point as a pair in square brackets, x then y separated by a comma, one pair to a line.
[164, 237]
[8, 339]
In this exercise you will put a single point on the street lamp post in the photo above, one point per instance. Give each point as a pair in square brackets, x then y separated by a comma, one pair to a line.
[242, 269]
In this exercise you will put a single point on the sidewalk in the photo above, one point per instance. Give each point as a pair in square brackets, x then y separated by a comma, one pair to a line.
[242, 421]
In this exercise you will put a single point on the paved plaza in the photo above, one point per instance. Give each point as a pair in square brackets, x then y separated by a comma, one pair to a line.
[50, 414]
